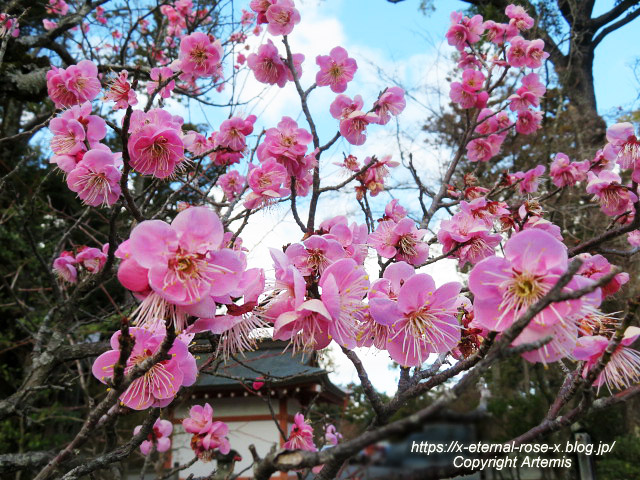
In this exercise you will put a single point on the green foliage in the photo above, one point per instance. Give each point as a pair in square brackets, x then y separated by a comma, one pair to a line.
[622, 462]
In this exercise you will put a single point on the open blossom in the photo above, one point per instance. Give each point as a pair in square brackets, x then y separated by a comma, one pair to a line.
[483, 149]
[530, 179]
[626, 146]
[287, 144]
[565, 173]
[183, 264]
[159, 436]
[352, 237]
[96, 179]
[535, 54]
[159, 76]
[528, 121]
[596, 267]
[464, 30]
[233, 132]
[353, 121]
[92, 259]
[266, 183]
[75, 84]
[281, 17]
[313, 323]
[199, 420]
[518, 17]
[528, 95]
[268, 67]
[121, 92]
[200, 55]
[623, 368]
[72, 130]
[215, 438]
[301, 436]
[155, 145]
[422, 318]
[232, 184]
[504, 288]
[336, 70]
[390, 102]
[64, 268]
[57, 7]
[261, 7]
[68, 136]
[402, 241]
[614, 198]
[468, 238]
[160, 384]
[315, 254]
[9, 26]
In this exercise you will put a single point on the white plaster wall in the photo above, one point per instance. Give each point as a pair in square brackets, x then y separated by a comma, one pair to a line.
[262, 434]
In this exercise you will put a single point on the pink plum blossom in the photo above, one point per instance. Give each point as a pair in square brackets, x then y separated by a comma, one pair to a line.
[200, 419]
[121, 92]
[96, 179]
[565, 173]
[468, 238]
[315, 254]
[159, 436]
[160, 76]
[504, 288]
[623, 368]
[352, 237]
[301, 435]
[530, 179]
[331, 435]
[626, 145]
[287, 144]
[92, 259]
[268, 67]
[528, 95]
[232, 184]
[336, 70]
[517, 52]
[160, 384]
[233, 132]
[64, 268]
[483, 149]
[281, 17]
[614, 198]
[155, 146]
[313, 323]
[266, 183]
[423, 319]
[73, 85]
[8, 25]
[595, 267]
[353, 121]
[464, 30]
[200, 55]
[518, 17]
[528, 121]
[390, 102]
[401, 241]
[207, 434]
[535, 54]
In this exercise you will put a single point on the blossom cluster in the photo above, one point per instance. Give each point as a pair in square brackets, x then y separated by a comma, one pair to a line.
[507, 50]
[191, 275]
[90, 259]
[208, 435]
